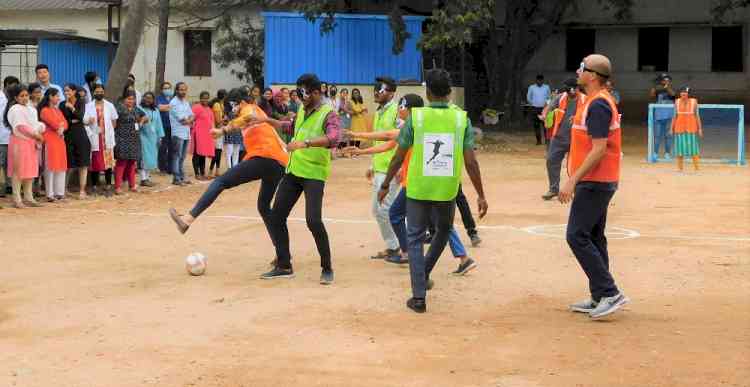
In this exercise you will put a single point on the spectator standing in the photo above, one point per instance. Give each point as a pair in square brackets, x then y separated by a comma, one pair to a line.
[76, 139]
[101, 118]
[294, 101]
[21, 118]
[131, 82]
[180, 118]
[162, 101]
[537, 97]
[664, 94]
[359, 112]
[91, 78]
[127, 142]
[218, 106]
[266, 102]
[151, 132]
[5, 132]
[202, 140]
[233, 139]
[43, 78]
[55, 152]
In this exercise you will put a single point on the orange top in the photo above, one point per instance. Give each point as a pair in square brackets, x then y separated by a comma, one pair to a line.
[56, 156]
[261, 140]
[686, 120]
[560, 111]
[608, 169]
[405, 168]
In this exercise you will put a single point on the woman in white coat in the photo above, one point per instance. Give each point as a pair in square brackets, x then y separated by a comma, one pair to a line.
[100, 119]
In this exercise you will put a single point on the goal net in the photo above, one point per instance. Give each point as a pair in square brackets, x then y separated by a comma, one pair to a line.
[723, 133]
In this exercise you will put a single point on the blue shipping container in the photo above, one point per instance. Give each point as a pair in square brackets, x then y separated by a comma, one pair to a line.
[357, 50]
[69, 60]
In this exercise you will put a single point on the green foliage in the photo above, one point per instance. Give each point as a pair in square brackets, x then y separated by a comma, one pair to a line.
[454, 25]
[241, 42]
[720, 8]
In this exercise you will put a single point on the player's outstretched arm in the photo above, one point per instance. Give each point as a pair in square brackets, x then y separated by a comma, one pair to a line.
[472, 168]
[393, 168]
[377, 136]
[384, 147]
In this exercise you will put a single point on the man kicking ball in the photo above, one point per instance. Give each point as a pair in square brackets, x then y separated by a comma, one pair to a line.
[433, 186]
[594, 168]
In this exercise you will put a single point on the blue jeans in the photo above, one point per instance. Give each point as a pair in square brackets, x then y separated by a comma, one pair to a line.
[397, 215]
[662, 132]
[419, 214]
[179, 149]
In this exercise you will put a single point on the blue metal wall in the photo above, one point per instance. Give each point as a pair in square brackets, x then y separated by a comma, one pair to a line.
[355, 52]
[68, 60]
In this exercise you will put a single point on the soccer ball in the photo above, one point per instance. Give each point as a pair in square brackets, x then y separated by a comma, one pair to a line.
[195, 264]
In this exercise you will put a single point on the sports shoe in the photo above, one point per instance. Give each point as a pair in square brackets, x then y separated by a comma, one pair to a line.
[667, 157]
[182, 227]
[475, 240]
[549, 195]
[278, 273]
[465, 267]
[326, 277]
[584, 306]
[385, 254]
[397, 259]
[417, 304]
[608, 305]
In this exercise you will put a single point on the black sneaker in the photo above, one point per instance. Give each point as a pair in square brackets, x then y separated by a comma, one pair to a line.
[549, 195]
[397, 259]
[417, 304]
[326, 277]
[475, 240]
[465, 267]
[278, 273]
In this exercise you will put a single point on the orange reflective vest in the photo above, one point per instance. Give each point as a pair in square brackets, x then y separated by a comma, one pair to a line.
[686, 120]
[608, 169]
[262, 140]
[562, 106]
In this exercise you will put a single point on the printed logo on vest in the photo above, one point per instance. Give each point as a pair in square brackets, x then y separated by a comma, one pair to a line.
[438, 154]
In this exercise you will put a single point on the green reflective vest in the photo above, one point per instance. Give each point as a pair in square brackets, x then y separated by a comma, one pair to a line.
[385, 120]
[314, 162]
[437, 154]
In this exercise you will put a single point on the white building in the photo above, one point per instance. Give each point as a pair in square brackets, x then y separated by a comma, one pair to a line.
[189, 48]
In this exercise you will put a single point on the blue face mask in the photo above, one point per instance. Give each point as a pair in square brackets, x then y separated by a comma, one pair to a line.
[167, 93]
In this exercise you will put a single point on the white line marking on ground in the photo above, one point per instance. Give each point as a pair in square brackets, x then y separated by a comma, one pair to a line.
[551, 230]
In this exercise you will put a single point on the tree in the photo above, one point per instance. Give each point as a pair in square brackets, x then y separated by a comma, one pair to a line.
[243, 47]
[161, 50]
[130, 40]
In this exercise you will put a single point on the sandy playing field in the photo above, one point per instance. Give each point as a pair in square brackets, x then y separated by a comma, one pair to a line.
[95, 293]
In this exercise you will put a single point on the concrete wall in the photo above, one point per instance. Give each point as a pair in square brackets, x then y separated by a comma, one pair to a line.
[93, 24]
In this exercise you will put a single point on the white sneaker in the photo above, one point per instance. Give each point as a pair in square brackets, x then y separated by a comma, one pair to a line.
[584, 306]
[608, 305]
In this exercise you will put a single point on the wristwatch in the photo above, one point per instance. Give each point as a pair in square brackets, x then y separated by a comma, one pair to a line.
[307, 143]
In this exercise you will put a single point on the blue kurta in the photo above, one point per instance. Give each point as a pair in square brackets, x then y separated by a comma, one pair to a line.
[151, 133]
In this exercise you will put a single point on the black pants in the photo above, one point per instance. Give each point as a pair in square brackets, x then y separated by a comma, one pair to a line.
[290, 189]
[216, 161]
[94, 177]
[466, 217]
[555, 155]
[199, 165]
[165, 151]
[585, 236]
[268, 171]
[419, 214]
[539, 129]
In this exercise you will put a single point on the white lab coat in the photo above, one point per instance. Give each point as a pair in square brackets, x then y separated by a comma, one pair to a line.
[93, 130]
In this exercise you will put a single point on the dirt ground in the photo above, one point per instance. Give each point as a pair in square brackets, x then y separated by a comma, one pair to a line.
[95, 293]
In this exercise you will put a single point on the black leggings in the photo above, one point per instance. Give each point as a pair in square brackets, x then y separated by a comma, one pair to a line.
[199, 165]
[290, 189]
[216, 161]
[94, 177]
[269, 171]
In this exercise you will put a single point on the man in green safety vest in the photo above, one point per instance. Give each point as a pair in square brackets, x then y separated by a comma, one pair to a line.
[385, 120]
[434, 176]
[316, 131]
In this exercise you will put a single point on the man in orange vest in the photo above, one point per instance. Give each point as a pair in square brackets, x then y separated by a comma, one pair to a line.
[594, 173]
[564, 107]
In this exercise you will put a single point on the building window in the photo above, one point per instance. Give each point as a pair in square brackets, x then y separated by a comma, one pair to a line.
[726, 49]
[653, 49]
[115, 37]
[579, 43]
[198, 53]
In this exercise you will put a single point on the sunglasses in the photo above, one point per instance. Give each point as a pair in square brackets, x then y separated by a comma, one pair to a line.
[304, 94]
[583, 68]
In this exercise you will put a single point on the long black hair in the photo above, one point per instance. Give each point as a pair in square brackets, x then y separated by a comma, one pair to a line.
[13, 92]
[358, 97]
[221, 96]
[266, 104]
[80, 103]
[143, 101]
[51, 92]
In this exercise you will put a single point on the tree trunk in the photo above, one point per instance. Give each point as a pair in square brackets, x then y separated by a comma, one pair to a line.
[161, 51]
[130, 40]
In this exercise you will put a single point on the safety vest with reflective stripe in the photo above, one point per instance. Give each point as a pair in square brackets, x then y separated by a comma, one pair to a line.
[562, 107]
[686, 120]
[385, 120]
[315, 162]
[608, 169]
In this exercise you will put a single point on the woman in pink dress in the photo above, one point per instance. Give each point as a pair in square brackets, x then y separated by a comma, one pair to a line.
[203, 143]
[26, 136]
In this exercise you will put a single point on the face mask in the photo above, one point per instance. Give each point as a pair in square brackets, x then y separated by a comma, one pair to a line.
[98, 97]
[167, 93]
